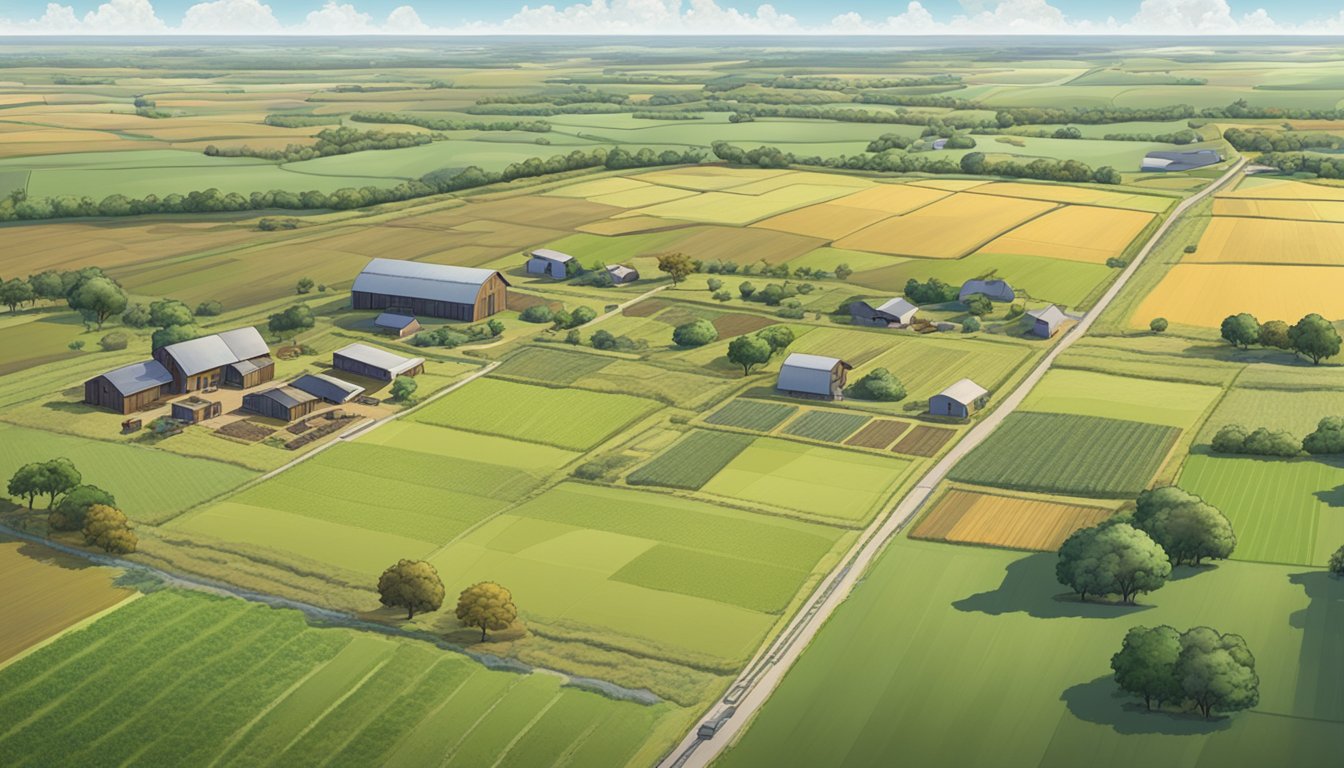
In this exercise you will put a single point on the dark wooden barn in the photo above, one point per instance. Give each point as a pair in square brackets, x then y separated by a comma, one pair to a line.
[238, 358]
[374, 363]
[194, 410]
[130, 388]
[430, 290]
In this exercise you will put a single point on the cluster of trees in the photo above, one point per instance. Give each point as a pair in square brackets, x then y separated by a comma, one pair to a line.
[1327, 439]
[332, 141]
[1297, 162]
[88, 291]
[1279, 141]
[70, 501]
[606, 340]
[291, 321]
[1201, 667]
[301, 121]
[581, 94]
[859, 83]
[696, 333]
[1128, 555]
[415, 586]
[173, 320]
[455, 337]
[444, 124]
[1234, 438]
[1183, 136]
[1313, 336]
[911, 100]
[933, 291]
[879, 384]
[842, 270]
[667, 116]
[560, 319]
[889, 141]
[750, 351]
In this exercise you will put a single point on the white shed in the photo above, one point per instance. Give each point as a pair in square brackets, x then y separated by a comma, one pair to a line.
[1046, 322]
[813, 376]
[959, 400]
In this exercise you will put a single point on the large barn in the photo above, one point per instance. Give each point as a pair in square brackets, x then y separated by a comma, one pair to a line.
[813, 376]
[237, 358]
[374, 363]
[430, 290]
[130, 388]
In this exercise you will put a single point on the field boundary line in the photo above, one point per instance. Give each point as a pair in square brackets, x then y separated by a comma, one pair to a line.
[81, 624]
[517, 737]
[334, 704]
[753, 686]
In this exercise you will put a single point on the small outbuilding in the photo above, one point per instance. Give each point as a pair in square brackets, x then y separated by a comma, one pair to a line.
[994, 290]
[813, 376]
[959, 400]
[897, 312]
[374, 363]
[1046, 322]
[194, 410]
[1180, 160]
[621, 274]
[552, 264]
[130, 388]
[283, 402]
[328, 388]
[397, 325]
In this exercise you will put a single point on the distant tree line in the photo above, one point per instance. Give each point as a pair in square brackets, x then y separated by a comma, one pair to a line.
[301, 121]
[1279, 141]
[1298, 162]
[443, 124]
[1326, 440]
[332, 141]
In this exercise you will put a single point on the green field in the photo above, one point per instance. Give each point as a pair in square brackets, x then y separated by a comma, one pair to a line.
[551, 366]
[1068, 454]
[1283, 511]
[211, 681]
[992, 637]
[749, 414]
[692, 461]
[1296, 411]
[1085, 393]
[1068, 283]
[827, 426]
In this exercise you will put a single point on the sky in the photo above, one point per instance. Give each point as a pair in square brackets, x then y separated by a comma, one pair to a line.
[737, 17]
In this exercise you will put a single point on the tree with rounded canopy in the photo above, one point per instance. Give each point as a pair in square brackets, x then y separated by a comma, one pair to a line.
[58, 477]
[47, 285]
[1216, 671]
[169, 312]
[74, 505]
[1191, 531]
[1113, 558]
[1274, 333]
[1328, 437]
[1240, 330]
[173, 334]
[978, 304]
[1336, 564]
[304, 285]
[779, 337]
[100, 297]
[749, 352]
[696, 333]
[487, 606]
[1315, 337]
[746, 289]
[1146, 664]
[413, 585]
[580, 316]
[137, 316]
[15, 292]
[296, 318]
[879, 384]
[27, 482]
[842, 271]
[676, 265]
[403, 388]
[108, 529]
[1158, 325]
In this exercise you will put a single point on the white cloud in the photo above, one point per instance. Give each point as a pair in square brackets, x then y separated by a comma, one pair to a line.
[230, 17]
[1197, 17]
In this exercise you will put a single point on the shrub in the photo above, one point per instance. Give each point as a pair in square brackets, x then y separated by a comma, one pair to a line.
[603, 340]
[209, 309]
[1191, 248]
[561, 319]
[68, 515]
[880, 384]
[582, 316]
[403, 388]
[537, 313]
[746, 289]
[1337, 562]
[495, 326]
[792, 310]
[136, 316]
[114, 341]
[722, 295]
[978, 304]
[971, 324]
[714, 284]
[573, 337]
[76, 345]
[304, 285]
[696, 333]
[1116, 263]
[1328, 437]
[1158, 325]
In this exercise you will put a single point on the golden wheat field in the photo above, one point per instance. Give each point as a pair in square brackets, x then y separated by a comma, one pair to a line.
[1306, 210]
[1204, 294]
[892, 199]
[47, 592]
[1076, 232]
[830, 221]
[1283, 189]
[968, 517]
[946, 229]
[1234, 240]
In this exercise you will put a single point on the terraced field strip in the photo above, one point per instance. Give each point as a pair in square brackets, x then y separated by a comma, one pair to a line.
[692, 461]
[827, 426]
[879, 433]
[751, 414]
[969, 517]
[924, 441]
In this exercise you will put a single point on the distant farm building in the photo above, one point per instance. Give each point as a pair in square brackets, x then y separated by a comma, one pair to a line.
[429, 290]
[545, 261]
[959, 400]
[813, 376]
[396, 325]
[1187, 160]
[130, 388]
[283, 402]
[237, 358]
[891, 312]
[374, 363]
[621, 274]
[194, 410]
[328, 388]
[1046, 322]
[994, 290]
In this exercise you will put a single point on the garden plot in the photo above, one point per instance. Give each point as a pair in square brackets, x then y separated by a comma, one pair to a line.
[878, 434]
[1204, 294]
[751, 414]
[948, 228]
[1077, 233]
[827, 426]
[691, 462]
[924, 441]
[970, 517]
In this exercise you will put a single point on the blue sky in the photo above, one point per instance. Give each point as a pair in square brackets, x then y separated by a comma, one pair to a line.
[670, 16]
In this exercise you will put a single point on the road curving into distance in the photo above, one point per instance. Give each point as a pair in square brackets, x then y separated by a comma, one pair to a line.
[759, 679]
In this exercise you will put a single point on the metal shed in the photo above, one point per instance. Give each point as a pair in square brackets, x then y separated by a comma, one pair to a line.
[395, 324]
[1180, 160]
[130, 388]
[1046, 322]
[375, 363]
[891, 312]
[283, 402]
[329, 388]
[193, 410]
[552, 264]
[813, 376]
[959, 400]
[429, 290]
[621, 274]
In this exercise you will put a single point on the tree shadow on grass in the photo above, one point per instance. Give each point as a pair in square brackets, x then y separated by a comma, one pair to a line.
[1029, 587]
[1332, 497]
[1103, 703]
[1183, 572]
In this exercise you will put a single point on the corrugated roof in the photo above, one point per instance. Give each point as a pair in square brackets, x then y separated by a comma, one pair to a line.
[327, 387]
[217, 350]
[550, 255]
[620, 271]
[286, 396]
[393, 320]
[998, 290]
[379, 358]
[137, 377]
[810, 362]
[965, 392]
[897, 307]
[1051, 314]
[417, 280]
[245, 343]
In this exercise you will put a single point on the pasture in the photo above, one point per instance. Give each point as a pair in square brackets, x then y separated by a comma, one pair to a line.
[1296, 411]
[1074, 455]
[1011, 522]
[1086, 393]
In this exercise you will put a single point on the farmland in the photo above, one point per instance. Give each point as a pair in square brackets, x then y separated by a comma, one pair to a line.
[969, 517]
[692, 462]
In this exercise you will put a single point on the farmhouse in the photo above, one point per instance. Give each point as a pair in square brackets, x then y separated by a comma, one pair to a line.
[553, 264]
[430, 290]
[813, 376]
[236, 358]
[375, 363]
[328, 388]
[959, 400]
[283, 402]
[1187, 160]
[130, 388]
[994, 290]
[897, 312]
[1046, 322]
[194, 410]
[396, 325]
[621, 274]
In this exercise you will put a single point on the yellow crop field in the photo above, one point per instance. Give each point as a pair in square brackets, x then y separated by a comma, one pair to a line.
[892, 199]
[801, 177]
[947, 229]
[1307, 210]
[1204, 294]
[1282, 189]
[1062, 193]
[596, 187]
[1269, 241]
[709, 179]
[45, 592]
[732, 208]
[969, 517]
[827, 220]
[951, 185]
[1076, 232]
[61, 245]
[637, 198]
[628, 226]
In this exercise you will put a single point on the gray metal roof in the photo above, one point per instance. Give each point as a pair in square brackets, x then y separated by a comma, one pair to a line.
[418, 280]
[620, 271]
[997, 290]
[964, 392]
[379, 358]
[550, 255]
[898, 307]
[1186, 160]
[217, 350]
[285, 395]
[393, 320]
[327, 387]
[810, 362]
[1051, 314]
[137, 377]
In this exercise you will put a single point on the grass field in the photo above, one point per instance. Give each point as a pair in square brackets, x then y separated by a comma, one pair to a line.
[1302, 210]
[550, 365]
[1061, 281]
[1296, 411]
[1204, 294]
[971, 517]
[1077, 455]
[230, 683]
[1283, 511]
[1042, 664]
[692, 461]
[49, 592]
[1086, 393]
